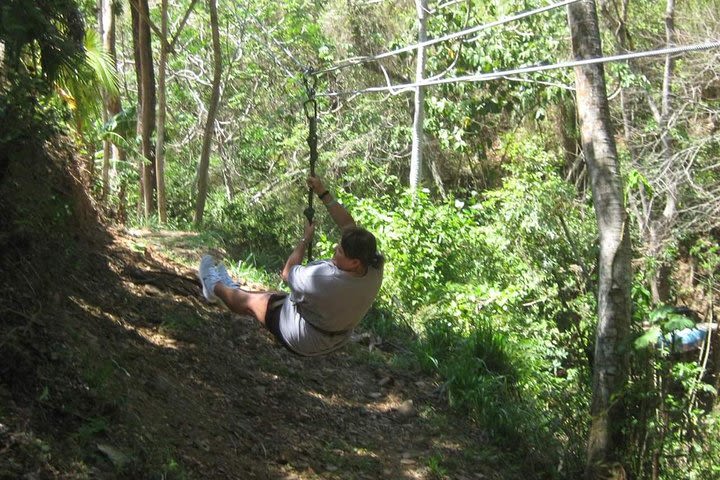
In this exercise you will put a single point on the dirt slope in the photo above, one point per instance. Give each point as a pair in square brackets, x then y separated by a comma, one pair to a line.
[112, 365]
[131, 374]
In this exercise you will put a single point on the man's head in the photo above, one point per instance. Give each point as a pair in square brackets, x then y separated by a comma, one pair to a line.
[357, 250]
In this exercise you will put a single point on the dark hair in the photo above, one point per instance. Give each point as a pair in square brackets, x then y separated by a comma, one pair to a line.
[360, 244]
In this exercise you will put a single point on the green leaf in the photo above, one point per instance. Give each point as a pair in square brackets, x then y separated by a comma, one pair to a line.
[676, 321]
[45, 395]
[635, 180]
[660, 313]
[648, 338]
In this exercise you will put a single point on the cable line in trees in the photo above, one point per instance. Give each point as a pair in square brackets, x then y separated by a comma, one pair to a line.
[482, 77]
[361, 60]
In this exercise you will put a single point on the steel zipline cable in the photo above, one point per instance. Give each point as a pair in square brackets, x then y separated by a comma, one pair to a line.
[360, 60]
[481, 77]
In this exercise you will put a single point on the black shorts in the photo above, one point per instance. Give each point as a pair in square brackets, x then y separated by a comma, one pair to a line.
[272, 317]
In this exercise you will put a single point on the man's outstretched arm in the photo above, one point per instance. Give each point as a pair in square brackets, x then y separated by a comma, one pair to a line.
[337, 211]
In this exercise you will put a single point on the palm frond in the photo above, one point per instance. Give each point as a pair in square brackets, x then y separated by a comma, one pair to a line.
[81, 85]
[100, 62]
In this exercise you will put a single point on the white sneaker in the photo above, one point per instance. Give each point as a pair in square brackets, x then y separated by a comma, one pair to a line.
[208, 278]
[225, 277]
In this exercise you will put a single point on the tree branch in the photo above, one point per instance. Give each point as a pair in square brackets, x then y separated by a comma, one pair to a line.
[182, 25]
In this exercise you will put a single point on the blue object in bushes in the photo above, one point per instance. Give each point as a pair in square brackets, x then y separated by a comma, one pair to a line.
[683, 340]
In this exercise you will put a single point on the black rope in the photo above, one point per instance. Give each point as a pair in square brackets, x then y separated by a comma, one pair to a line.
[310, 107]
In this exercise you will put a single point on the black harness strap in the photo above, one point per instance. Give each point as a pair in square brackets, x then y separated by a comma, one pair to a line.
[310, 107]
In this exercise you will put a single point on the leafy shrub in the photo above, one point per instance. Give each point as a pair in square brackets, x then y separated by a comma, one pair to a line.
[430, 245]
[669, 427]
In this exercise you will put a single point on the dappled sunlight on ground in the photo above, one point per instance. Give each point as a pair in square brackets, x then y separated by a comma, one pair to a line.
[166, 381]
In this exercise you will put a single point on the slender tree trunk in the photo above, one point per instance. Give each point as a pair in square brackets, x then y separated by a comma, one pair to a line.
[146, 100]
[226, 173]
[160, 147]
[611, 361]
[661, 226]
[416, 159]
[135, 18]
[3, 73]
[147, 107]
[204, 165]
[566, 128]
[437, 177]
[111, 99]
[107, 151]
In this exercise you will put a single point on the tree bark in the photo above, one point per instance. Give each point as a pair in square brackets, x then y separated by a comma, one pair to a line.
[566, 128]
[111, 99]
[146, 100]
[416, 158]
[605, 442]
[160, 146]
[3, 68]
[104, 113]
[204, 165]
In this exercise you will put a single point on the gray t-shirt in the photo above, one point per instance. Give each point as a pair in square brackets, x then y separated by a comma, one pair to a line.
[325, 299]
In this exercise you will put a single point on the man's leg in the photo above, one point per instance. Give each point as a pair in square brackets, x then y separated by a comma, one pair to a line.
[244, 302]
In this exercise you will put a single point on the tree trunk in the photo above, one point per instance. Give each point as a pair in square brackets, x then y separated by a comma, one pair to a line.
[226, 172]
[160, 147]
[661, 226]
[111, 99]
[575, 169]
[146, 99]
[611, 361]
[204, 164]
[104, 113]
[3, 73]
[416, 159]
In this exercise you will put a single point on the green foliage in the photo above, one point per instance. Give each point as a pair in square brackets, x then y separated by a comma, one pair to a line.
[669, 423]
[24, 114]
[434, 464]
[460, 116]
[708, 255]
[81, 86]
[492, 288]
[670, 320]
[173, 470]
[245, 224]
[430, 245]
[250, 270]
[496, 290]
[55, 27]
[705, 450]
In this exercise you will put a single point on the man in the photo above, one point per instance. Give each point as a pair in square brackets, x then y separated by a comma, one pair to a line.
[328, 298]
